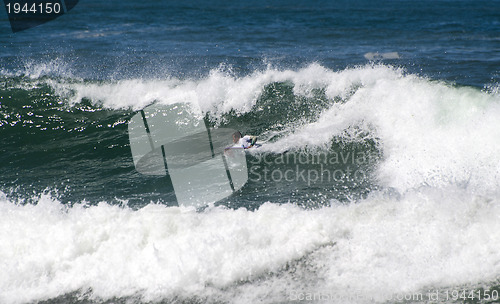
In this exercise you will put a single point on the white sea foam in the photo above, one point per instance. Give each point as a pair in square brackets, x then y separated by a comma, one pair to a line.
[376, 248]
[440, 152]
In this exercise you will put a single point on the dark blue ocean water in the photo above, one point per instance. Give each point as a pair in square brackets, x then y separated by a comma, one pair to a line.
[452, 40]
[377, 181]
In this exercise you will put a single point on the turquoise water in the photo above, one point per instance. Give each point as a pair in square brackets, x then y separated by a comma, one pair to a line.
[377, 180]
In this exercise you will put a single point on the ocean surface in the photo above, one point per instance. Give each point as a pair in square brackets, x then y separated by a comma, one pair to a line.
[378, 179]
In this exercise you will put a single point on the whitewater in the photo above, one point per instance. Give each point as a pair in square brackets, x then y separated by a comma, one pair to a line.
[428, 224]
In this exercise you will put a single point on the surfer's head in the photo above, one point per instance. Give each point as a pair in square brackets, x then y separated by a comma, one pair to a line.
[236, 136]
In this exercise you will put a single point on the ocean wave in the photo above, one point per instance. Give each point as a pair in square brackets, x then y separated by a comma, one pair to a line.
[429, 132]
[430, 219]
